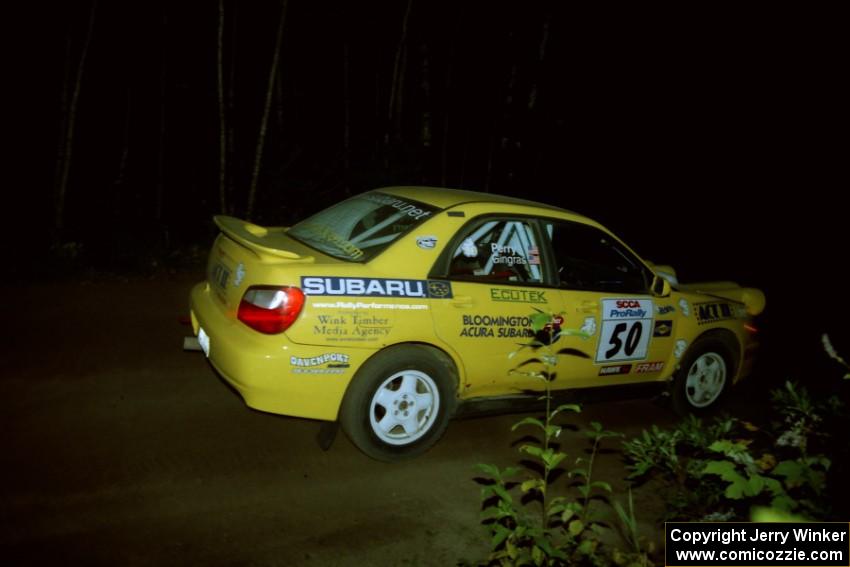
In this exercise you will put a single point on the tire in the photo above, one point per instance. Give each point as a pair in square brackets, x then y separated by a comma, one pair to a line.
[703, 377]
[400, 401]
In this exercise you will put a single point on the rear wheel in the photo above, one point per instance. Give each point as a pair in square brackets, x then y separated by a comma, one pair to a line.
[704, 375]
[399, 402]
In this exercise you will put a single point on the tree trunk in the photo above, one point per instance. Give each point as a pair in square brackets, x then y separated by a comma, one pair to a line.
[346, 131]
[261, 138]
[62, 188]
[163, 89]
[222, 123]
[394, 106]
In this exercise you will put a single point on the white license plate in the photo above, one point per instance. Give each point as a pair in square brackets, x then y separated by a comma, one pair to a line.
[204, 341]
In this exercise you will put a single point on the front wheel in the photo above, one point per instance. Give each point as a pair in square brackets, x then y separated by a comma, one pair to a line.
[399, 402]
[705, 373]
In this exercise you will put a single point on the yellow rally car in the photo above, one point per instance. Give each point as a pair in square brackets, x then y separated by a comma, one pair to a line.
[389, 309]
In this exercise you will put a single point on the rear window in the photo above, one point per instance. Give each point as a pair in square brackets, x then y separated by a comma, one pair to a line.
[358, 229]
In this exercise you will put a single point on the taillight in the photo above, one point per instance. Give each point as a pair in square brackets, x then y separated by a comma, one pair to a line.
[270, 309]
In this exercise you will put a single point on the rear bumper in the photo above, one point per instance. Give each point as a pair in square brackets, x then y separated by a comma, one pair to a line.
[270, 372]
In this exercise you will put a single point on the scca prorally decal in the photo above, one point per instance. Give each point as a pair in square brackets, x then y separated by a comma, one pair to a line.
[647, 367]
[518, 295]
[374, 287]
[662, 329]
[713, 311]
[496, 326]
[626, 329]
[614, 370]
[332, 359]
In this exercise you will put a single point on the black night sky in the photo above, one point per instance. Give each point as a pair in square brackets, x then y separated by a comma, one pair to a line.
[707, 139]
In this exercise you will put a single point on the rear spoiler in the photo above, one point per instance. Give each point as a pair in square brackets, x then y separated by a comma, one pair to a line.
[258, 239]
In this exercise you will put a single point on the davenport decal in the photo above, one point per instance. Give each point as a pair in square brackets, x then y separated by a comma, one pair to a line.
[375, 287]
[326, 363]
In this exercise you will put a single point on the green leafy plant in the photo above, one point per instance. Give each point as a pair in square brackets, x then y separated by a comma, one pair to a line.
[564, 530]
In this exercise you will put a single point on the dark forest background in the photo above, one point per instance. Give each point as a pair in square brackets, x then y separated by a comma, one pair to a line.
[710, 138]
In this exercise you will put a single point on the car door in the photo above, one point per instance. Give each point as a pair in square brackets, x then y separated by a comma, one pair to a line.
[604, 284]
[498, 279]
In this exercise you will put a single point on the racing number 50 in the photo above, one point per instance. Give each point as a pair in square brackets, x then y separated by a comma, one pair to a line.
[632, 339]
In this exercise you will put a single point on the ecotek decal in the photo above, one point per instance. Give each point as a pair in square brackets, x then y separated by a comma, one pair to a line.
[714, 311]
[517, 295]
[375, 287]
[626, 330]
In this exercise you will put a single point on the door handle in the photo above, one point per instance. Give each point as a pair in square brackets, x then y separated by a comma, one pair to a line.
[462, 300]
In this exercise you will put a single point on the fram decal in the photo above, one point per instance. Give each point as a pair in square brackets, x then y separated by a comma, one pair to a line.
[374, 287]
[662, 329]
[647, 367]
[714, 311]
[614, 370]
[517, 295]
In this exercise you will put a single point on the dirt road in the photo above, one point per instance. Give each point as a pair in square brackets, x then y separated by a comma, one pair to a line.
[120, 448]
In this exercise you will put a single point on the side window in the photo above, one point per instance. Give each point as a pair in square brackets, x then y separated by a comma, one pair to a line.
[498, 250]
[589, 259]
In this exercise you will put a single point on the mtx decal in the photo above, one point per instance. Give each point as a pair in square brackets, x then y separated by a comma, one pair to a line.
[713, 311]
[614, 370]
[372, 287]
[426, 242]
[517, 295]
[662, 329]
[625, 332]
[647, 367]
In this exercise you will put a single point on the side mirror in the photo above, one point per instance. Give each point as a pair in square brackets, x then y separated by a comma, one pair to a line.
[661, 287]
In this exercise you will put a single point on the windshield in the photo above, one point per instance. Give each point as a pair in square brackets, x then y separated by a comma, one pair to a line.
[358, 229]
